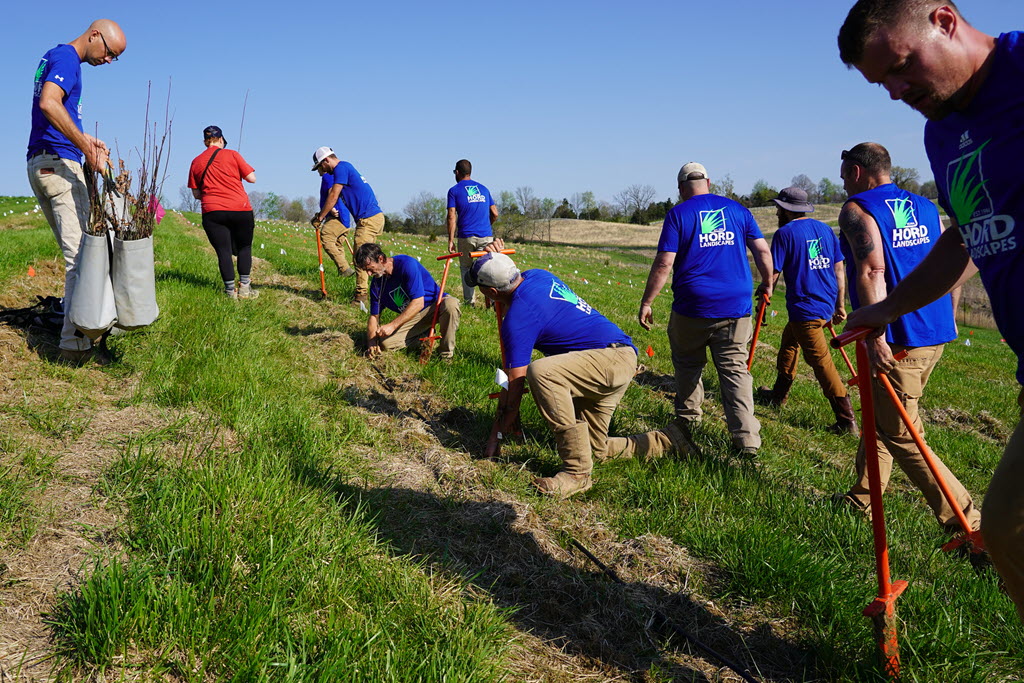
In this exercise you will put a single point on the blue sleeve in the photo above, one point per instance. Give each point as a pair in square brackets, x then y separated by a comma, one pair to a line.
[669, 240]
[325, 186]
[778, 250]
[490, 199]
[753, 229]
[519, 343]
[63, 70]
[451, 198]
[341, 173]
[375, 294]
[413, 279]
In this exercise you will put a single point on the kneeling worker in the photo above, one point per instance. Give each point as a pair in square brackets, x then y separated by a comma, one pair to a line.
[402, 284]
[587, 367]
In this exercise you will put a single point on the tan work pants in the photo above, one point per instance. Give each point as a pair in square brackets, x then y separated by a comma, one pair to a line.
[809, 335]
[466, 246]
[894, 441]
[727, 338]
[576, 393]
[332, 236]
[410, 332]
[59, 186]
[367, 230]
[1003, 525]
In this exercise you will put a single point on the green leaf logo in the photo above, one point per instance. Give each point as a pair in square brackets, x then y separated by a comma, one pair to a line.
[39, 71]
[903, 213]
[472, 190]
[399, 297]
[966, 186]
[561, 292]
[710, 221]
[814, 249]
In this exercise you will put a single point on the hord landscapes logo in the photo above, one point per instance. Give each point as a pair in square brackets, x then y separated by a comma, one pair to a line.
[561, 292]
[473, 194]
[815, 259]
[985, 233]
[713, 232]
[908, 232]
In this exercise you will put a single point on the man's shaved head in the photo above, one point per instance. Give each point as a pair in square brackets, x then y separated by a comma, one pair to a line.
[111, 32]
[868, 16]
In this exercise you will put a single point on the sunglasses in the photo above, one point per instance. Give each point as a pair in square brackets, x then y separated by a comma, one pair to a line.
[847, 155]
[110, 53]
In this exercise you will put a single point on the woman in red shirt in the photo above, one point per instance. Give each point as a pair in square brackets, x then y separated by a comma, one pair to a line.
[216, 178]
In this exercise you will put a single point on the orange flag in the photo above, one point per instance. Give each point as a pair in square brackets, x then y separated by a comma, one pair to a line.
[31, 271]
[650, 352]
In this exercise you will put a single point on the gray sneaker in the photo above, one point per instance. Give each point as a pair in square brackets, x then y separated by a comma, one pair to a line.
[231, 293]
[247, 292]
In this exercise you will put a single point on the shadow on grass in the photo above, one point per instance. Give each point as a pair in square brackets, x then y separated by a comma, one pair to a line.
[611, 627]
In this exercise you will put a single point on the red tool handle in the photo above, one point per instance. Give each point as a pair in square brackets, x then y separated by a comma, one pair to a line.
[474, 254]
[850, 336]
[765, 301]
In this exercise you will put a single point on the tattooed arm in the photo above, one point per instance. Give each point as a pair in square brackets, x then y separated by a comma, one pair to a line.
[865, 240]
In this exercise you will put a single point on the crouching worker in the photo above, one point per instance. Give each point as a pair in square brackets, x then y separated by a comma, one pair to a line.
[587, 367]
[402, 284]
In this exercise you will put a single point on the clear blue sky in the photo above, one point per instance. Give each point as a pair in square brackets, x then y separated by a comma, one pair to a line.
[561, 96]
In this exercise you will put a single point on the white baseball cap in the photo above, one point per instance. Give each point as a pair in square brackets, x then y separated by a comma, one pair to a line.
[493, 269]
[320, 154]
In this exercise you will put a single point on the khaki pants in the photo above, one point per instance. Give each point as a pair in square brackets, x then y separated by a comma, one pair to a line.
[1003, 526]
[332, 236]
[59, 186]
[576, 393]
[727, 338]
[466, 246]
[894, 441]
[367, 230]
[809, 335]
[418, 326]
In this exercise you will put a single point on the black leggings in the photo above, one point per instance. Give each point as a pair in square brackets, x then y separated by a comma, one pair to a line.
[230, 232]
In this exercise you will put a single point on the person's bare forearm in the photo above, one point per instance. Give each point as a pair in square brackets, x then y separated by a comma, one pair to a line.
[332, 198]
[656, 279]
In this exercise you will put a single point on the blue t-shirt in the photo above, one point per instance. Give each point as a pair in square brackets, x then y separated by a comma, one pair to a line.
[711, 275]
[472, 203]
[408, 280]
[548, 316]
[357, 193]
[909, 226]
[806, 251]
[976, 159]
[62, 66]
[326, 183]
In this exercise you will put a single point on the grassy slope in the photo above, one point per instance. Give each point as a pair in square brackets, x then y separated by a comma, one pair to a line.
[255, 545]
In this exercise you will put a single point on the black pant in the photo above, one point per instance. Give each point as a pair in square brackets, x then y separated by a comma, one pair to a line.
[230, 232]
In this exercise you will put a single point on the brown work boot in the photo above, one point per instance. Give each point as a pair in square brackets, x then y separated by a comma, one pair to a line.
[846, 419]
[361, 300]
[617, 448]
[563, 484]
[776, 396]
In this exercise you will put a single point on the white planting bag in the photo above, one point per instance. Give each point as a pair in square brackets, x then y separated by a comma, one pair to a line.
[134, 283]
[92, 306]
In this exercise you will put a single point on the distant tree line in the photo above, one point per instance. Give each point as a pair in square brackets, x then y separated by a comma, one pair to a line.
[524, 214]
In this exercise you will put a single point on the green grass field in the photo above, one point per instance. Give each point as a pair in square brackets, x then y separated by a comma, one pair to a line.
[269, 505]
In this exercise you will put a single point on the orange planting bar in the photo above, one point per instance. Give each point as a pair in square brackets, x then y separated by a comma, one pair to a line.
[973, 538]
[474, 254]
[853, 372]
[765, 302]
[882, 609]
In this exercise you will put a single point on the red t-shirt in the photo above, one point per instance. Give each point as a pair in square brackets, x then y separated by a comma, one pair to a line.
[222, 187]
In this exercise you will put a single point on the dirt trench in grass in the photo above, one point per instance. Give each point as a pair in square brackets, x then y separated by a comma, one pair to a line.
[435, 500]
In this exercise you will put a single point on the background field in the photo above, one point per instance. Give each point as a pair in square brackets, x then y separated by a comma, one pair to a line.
[241, 495]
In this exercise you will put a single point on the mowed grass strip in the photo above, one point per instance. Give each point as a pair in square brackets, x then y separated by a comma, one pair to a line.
[236, 565]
